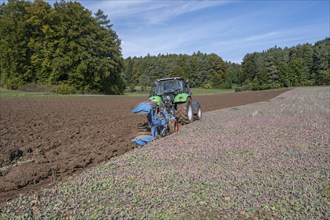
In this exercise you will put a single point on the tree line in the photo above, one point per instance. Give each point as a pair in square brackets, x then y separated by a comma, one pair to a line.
[208, 70]
[302, 65]
[65, 45]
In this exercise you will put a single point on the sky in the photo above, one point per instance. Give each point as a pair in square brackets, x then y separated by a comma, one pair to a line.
[228, 28]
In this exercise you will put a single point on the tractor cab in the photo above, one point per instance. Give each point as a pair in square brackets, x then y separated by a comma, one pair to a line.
[167, 86]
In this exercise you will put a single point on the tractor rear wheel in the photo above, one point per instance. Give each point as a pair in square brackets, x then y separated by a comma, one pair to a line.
[199, 114]
[184, 112]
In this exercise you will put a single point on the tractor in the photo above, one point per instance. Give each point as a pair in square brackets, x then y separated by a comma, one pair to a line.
[170, 104]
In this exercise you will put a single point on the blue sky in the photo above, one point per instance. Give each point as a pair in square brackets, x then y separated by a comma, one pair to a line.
[230, 29]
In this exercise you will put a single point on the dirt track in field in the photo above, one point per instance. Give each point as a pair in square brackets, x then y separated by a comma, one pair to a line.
[45, 140]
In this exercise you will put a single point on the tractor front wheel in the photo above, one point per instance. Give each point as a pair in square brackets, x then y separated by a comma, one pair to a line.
[184, 112]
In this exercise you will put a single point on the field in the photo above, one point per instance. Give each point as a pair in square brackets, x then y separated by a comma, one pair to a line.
[195, 91]
[267, 160]
[44, 140]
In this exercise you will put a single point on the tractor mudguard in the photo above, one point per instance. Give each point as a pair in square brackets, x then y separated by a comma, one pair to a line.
[195, 106]
[156, 99]
[182, 97]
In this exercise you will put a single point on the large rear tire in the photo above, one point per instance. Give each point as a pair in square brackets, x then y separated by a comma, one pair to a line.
[184, 112]
[199, 114]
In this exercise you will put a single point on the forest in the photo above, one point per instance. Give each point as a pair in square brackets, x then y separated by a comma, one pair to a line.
[65, 46]
[301, 65]
[69, 49]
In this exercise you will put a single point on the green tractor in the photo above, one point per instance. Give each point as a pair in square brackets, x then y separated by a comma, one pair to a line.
[170, 103]
[175, 94]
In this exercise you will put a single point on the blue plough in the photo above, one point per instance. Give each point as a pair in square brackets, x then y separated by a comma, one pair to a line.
[160, 122]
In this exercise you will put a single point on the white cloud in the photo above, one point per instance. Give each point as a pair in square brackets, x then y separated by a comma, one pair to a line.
[260, 37]
[151, 12]
[175, 39]
[177, 8]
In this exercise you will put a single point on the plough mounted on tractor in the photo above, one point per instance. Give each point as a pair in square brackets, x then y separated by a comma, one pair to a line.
[170, 104]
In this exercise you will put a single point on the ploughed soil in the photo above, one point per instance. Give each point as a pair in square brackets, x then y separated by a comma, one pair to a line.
[44, 140]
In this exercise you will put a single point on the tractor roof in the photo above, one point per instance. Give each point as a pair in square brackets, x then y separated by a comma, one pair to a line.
[170, 78]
